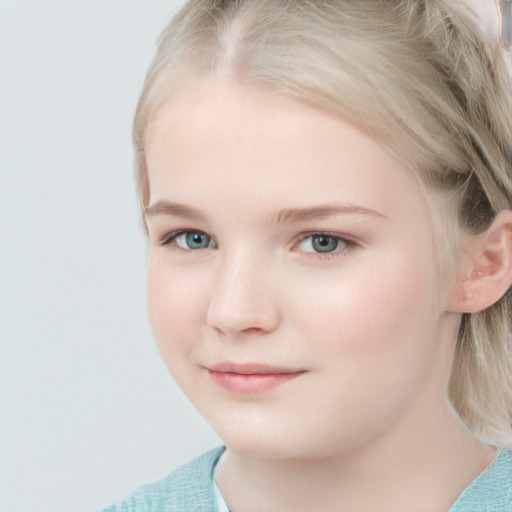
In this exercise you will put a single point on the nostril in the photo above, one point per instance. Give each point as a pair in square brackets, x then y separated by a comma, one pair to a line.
[247, 317]
[252, 330]
[243, 297]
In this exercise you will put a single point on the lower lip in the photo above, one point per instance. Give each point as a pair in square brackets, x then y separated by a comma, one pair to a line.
[251, 383]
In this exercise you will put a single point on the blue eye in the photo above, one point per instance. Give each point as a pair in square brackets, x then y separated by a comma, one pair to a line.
[322, 243]
[190, 240]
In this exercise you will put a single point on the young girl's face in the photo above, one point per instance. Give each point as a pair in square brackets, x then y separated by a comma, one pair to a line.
[291, 278]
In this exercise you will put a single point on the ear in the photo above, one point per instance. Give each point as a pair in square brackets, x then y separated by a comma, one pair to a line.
[486, 268]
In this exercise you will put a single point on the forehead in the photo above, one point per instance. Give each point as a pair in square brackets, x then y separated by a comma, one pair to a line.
[226, 138]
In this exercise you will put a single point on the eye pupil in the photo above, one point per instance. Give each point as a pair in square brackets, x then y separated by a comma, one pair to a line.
[324, 243]
[197, 241]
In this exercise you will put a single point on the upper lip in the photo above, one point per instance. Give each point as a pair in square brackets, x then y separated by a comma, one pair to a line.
[250, 368]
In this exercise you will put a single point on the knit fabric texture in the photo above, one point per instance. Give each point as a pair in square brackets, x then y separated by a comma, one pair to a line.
[190, 489]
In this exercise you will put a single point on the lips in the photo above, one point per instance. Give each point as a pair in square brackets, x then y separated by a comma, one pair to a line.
[251, 378]
[250, 368]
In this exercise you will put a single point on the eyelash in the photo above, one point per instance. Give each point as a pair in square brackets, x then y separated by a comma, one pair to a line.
[349, 244]
[170, 238]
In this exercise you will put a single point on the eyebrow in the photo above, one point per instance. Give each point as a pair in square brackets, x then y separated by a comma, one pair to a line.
[292, 215]
[164, 207]
[285, 216]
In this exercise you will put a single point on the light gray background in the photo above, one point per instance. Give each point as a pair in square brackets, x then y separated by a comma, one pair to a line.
[87, 410]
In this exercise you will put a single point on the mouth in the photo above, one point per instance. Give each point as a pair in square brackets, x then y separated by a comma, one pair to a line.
[251, 378]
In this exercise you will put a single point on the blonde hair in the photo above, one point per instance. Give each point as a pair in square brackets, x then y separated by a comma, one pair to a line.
[420, 77]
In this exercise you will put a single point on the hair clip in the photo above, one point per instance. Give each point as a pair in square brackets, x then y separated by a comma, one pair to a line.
[505, 14]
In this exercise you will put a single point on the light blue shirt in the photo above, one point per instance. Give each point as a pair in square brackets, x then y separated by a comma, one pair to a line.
[191, 488]
[221, 504]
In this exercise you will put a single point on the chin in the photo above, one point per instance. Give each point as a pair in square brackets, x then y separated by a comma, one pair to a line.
[261, 448]
[266, 440]
[274, 441]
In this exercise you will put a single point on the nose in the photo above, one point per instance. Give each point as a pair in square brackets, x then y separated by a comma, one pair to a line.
[242, 299]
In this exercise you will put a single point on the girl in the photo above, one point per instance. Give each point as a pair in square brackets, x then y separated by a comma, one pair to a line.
[326, 190]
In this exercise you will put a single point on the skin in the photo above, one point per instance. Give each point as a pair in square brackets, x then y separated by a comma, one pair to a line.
[367, 426]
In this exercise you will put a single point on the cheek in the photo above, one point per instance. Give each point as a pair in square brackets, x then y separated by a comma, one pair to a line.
[174, 303]
[371, 337]
[367, 310]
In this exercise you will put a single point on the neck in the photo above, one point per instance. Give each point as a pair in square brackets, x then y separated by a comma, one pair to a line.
[420, 465]
[421, 462]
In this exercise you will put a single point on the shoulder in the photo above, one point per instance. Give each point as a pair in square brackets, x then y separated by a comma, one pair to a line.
[188, 487]
[491, 491]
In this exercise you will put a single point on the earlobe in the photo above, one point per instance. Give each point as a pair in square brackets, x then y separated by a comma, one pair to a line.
[487, 272]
